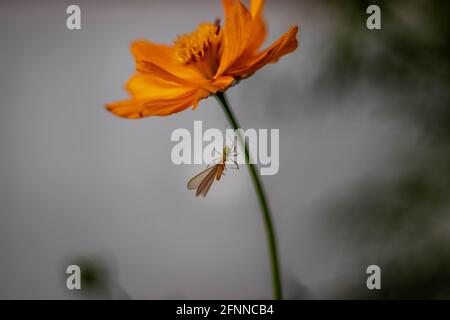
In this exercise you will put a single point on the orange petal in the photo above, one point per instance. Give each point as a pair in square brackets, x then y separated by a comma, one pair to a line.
[236, 33]
[162, 56]
[154, 96]
[259, 28]
[221, 83]
[137, 109]
[211, 86]
[256, 7]
[141, 108]
[284, 45]
[152, 69]
[147, 86]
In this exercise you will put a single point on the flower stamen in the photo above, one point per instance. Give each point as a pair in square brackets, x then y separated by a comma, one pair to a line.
[193, 47]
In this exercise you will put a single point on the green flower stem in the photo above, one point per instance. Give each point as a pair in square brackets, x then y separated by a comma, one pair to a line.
[262, 199]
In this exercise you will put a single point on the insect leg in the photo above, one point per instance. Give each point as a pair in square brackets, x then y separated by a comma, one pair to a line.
[213, 162]
[215, 151]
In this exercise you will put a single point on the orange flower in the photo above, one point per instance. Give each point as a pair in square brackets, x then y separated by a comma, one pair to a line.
[170, 79]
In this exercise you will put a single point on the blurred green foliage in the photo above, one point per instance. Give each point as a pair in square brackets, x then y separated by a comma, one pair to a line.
[407, 60]
[400, 223]
[99, 278]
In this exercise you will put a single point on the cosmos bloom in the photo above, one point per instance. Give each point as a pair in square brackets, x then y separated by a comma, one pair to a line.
[170, 79]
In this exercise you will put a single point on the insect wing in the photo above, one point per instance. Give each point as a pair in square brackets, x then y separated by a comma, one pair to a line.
[197, 180]
[207, 182]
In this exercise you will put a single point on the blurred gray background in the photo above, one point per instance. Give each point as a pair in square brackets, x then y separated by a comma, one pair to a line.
[357, 142]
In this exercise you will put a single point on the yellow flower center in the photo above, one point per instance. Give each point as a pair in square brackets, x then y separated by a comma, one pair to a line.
[193, 47]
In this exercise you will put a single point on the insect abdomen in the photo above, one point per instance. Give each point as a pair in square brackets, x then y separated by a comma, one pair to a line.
[219, 171]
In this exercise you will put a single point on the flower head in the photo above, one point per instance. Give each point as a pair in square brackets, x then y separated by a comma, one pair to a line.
[170, 79]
